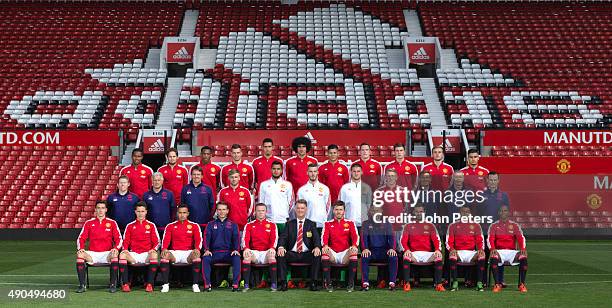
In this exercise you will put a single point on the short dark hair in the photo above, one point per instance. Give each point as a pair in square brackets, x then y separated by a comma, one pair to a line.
[136, 150]
[236, 146]
[332, 147]
[204, 148]
[196, 168]
[260, 204]
[313, 166]
[172, 150]
[141, 204]
[493, 173]
[471, 151]
[301, 201]
[418, 205]
[182, 205]
[356, 165]
[339, 203]
[100, 201]
[267, 140]
[399, 145]
[232, 172]
[222, 203]
[276, 162]
[365, 143]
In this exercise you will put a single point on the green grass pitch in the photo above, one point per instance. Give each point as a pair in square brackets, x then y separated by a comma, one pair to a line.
[561, 274]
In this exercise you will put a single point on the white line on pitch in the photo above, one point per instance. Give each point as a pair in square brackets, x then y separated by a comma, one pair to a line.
[572, 282]
[47, 284]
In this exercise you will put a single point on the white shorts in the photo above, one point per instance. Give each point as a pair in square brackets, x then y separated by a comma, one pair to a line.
[422, 256]
[139, 258]
[259, 257]
[338, 257]
[507, 256]
[466, 256]
[98, 257]
[180, 256]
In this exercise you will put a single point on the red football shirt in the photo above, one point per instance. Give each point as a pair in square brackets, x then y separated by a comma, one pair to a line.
[174, 179]
[440, 175]
[247, 175]
[240, 204]
[262, 167]
[140, 178]
[333, 176]
[407, 173]
[211, 176]
[296, 170]
[372, 173]
[475, 178]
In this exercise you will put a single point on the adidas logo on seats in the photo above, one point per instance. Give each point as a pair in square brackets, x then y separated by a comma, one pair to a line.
[181, 54]
[157, 146]
[420, 54]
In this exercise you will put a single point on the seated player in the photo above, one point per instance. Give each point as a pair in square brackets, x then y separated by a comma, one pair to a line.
[377, 245]
[421, 244]
[259, 240]
[181, 245]
[140, 244]
[465, 243]
[222, 245]
[340, 240]
[104, 244]
[504, 236]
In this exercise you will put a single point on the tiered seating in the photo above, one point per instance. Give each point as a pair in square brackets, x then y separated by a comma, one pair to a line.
[302, 66]
[563, 219]
[382, 152]
[557, 55]
[53, 186]
[564, 151]
[67, 50]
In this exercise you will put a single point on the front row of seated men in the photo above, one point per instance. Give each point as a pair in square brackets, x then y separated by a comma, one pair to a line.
[300, 243]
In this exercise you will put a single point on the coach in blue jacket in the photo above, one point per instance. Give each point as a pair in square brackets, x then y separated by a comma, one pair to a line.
[221, 245]
[121, 204]
[160, 202]
[377, 244]
[199, 198]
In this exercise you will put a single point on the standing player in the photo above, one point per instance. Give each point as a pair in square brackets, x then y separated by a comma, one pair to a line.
[504, 238]
[259, 241]
[421, 244]
[247, 175]
[198, 198]
[160, 203]
[440, 171]
[372, 170]
[277, 195]
[333, 173]
[121, 203]
[237, 199]
[340, 240]
[318, 197]
[104, 244]
[210, 171]
[140, 244]
[175, 175]
[357, 196]
[407, 172]
[222, 245]
[465, 243]
[296, 167]
[181, 244]
[377, 244]
[262, 165]
[395, 207]
[475, 175]
[138, 173]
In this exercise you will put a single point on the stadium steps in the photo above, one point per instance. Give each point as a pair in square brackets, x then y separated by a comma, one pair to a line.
[207, 58]
[413, 23]
[126, 159]
[152, 60]
[419, 150]
[448, 59]
[184, 149]
[190, 20]
[173, 91]
[432, 101]
[396, 58]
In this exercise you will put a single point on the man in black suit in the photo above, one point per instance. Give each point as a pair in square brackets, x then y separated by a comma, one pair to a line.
[300, 242]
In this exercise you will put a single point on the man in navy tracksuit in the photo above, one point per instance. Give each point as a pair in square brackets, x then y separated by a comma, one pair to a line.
[377, 245]
[221, 245]
[199, 198]
[160, 202]
[121, 204]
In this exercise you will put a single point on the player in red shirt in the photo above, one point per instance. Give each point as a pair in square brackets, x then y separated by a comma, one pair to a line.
[181, 244]
[138, 173]
[395, 207]
[296, 167]
[340, 240]
[211, 172]
[475, 175]
[421, 245]
[104, 244]
[441, 172]
[333, 173]
[262, 165]
[259, 240]
[140, 244]
[372, 169]
[175, 175]
[407, 171]
[465, 244]
[247, 175]
[238, 199]
[504, 237]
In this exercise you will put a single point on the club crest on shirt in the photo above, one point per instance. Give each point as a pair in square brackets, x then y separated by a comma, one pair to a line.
[215, 227]
[213, 169]
[407, 168]
[339, 169]
[108, 225]
[147, 227]
[244, 169]
[480, 173]
[372, 166]
[308, 234]
[510, 227]
[444, 170]
[426, 227]
[241, 194]
[346, 225]
[189, 192]
[179, 171]
[189, 227]
[150, 198]
[143, 172]
[267, 226]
